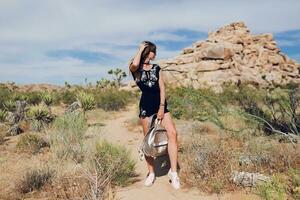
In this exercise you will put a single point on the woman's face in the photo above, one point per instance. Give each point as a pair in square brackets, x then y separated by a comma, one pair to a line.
[151, 56]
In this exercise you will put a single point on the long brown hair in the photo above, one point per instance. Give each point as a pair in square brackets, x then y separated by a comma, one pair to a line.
[151, 47]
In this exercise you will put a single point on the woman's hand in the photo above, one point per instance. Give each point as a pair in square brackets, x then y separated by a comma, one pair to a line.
[160, 113]
[142, 46]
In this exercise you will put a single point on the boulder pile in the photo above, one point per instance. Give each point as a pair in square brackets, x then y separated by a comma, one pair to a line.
[231, 54]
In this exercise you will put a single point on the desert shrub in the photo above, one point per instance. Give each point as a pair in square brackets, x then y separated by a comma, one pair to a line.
[56, 96]
[47, 98]
[5, 95]
[275, 108]
[9, 105]
[35, 179]
[2, 137]
[67, 137]
[207, 163]
[242, 95]
[198, 104]
[273, 190]
[103, 83]
[33, 97]
[273, 111]
[113, 161]
[40, 117]
[295, 183]
[3, 115]
[31, 143]
[19, 96]
[267, 156]
[86, 101]
[68, 96]
[112, 99]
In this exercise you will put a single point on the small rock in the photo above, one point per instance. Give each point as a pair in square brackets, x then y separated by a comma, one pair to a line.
[247, 179]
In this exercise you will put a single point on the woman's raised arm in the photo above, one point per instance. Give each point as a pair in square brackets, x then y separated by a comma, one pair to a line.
[134, 63]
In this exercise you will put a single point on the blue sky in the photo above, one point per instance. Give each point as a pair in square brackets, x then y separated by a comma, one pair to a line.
[54, 41]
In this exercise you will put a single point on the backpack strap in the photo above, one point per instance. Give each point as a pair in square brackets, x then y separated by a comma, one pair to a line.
[152, 120]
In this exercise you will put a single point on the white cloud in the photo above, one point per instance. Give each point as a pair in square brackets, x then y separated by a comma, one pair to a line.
[29, 29]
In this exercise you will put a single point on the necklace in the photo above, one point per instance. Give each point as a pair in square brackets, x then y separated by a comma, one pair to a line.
[148, 64]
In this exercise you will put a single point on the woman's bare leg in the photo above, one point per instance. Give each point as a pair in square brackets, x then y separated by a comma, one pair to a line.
[168, 124]
[149, 160]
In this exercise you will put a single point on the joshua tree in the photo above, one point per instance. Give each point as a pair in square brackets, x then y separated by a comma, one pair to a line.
[119, 74]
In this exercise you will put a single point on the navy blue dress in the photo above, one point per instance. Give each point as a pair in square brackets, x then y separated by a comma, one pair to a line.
[150, 98]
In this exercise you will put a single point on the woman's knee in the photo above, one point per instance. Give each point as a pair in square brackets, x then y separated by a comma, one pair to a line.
[172, 134]
[144, 122]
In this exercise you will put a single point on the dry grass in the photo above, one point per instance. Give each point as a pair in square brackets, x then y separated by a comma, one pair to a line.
[35, 179]
[210, 155]
[97, 116]
[207, 163]
[2, 137]
[31, 143]
[269, 156]
[67, 136]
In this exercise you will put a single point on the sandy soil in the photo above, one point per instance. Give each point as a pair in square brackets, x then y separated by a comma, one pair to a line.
[120, 131]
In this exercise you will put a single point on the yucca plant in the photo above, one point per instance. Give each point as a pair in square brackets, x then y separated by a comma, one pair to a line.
[86, 101]
[9, 105]
[47, 98]
[3, 115]
[40, 117]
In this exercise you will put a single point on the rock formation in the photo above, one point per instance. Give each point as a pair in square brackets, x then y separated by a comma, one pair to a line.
[231, 54]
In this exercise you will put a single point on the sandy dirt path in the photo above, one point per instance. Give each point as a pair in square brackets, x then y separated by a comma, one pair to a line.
[117, 131]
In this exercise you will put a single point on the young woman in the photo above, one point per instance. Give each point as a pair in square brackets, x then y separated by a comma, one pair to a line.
[149, 79]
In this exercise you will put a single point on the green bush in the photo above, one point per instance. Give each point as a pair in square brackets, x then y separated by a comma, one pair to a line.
[113, 161]
[103, 83]
[32, 143]
[68, 97]
[295, 182]
[198, 104]
[33, 98]
[275, 110]
[270, 110]
[5, 95]
[273, 190]
[112, 99]
[67, 137]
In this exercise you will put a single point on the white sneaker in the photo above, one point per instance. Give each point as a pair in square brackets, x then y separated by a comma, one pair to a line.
[150, 179]
[174, 179]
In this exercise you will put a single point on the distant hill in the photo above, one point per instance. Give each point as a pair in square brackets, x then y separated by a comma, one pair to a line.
[32, 87]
